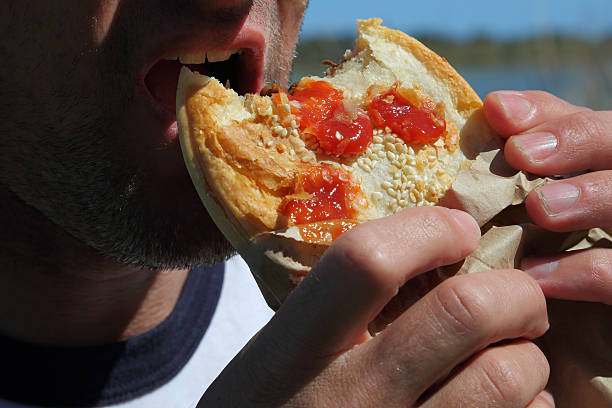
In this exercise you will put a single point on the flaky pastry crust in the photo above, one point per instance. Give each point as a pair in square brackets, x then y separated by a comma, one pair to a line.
[243, 153]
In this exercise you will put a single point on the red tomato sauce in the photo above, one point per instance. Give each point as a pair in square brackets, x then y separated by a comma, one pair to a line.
[325, 231]
[322, 113]
[413, 124]
[328, 195]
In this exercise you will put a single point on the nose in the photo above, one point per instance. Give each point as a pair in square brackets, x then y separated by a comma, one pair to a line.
[225, 14]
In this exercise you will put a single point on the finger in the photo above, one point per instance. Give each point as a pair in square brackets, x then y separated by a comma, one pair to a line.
[509, 376]
[581, 275]
[330, 310]
[543, 400]
[462, 315]
[365, 268]
[580, 141]
[512, 112]
[581, 202]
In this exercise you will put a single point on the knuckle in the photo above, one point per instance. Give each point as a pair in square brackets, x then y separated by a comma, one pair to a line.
[465, 307]
[600, 269]
[435, 228]
[512, 373]
[541, 95]
[585, 127]
[503, 379]
[360, 253]
[532, 289]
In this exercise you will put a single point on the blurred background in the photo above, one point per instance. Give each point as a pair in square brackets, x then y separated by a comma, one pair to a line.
[560, 46]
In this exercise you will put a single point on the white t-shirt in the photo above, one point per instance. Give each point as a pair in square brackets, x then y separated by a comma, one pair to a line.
[240, 313]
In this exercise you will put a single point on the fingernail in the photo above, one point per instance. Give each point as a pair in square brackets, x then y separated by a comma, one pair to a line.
[536, 146]
[539, 269]
[558, 197]
[516, 106]
[467, 223]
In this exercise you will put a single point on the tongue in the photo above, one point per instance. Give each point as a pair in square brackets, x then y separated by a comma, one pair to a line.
[162, 80]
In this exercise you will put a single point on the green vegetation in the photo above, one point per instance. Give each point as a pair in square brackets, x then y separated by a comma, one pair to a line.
[477, 52]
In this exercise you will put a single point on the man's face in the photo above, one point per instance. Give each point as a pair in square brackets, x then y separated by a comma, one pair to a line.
[87, 127]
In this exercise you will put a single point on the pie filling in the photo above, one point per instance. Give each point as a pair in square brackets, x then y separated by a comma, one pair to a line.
[325, 199]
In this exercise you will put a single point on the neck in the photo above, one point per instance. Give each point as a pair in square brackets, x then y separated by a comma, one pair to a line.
[55, 290]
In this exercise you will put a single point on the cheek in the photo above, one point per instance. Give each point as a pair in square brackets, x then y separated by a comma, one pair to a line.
[283, 19]
[291, 14]
[47, 57]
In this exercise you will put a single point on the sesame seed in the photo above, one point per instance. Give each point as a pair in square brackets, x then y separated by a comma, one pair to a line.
[286, 107]
[377, 195]
[390, 147]
[339, 136]
[269, 143]
[391, 156]
[377, 139]
[294, 124]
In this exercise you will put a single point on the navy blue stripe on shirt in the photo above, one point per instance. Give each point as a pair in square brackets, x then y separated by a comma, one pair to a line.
[44, 375]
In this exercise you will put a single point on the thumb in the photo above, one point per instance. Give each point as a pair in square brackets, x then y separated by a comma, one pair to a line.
[581, 275]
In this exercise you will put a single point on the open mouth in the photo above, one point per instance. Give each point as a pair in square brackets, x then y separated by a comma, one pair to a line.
[236, 68]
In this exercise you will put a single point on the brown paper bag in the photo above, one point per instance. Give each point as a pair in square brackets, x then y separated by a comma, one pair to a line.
[579, 342]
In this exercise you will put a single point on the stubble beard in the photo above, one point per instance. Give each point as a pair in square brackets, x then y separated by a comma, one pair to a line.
[73, 177]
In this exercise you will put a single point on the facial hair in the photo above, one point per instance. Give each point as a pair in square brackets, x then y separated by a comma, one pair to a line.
[65, 162]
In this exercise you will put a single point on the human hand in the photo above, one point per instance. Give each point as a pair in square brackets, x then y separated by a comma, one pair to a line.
[442, 351]
[548, 136]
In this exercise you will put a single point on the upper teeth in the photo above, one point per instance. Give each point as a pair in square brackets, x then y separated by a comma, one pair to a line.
[200, 57]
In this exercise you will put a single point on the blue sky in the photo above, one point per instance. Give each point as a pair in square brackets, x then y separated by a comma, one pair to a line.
[504, 19]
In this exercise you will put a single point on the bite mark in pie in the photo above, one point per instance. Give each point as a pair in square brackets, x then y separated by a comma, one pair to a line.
[284, 175]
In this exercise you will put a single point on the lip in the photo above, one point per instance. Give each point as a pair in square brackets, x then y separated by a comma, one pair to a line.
[250, 38]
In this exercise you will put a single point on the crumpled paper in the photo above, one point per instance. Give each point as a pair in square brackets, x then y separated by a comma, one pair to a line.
[579, 343]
